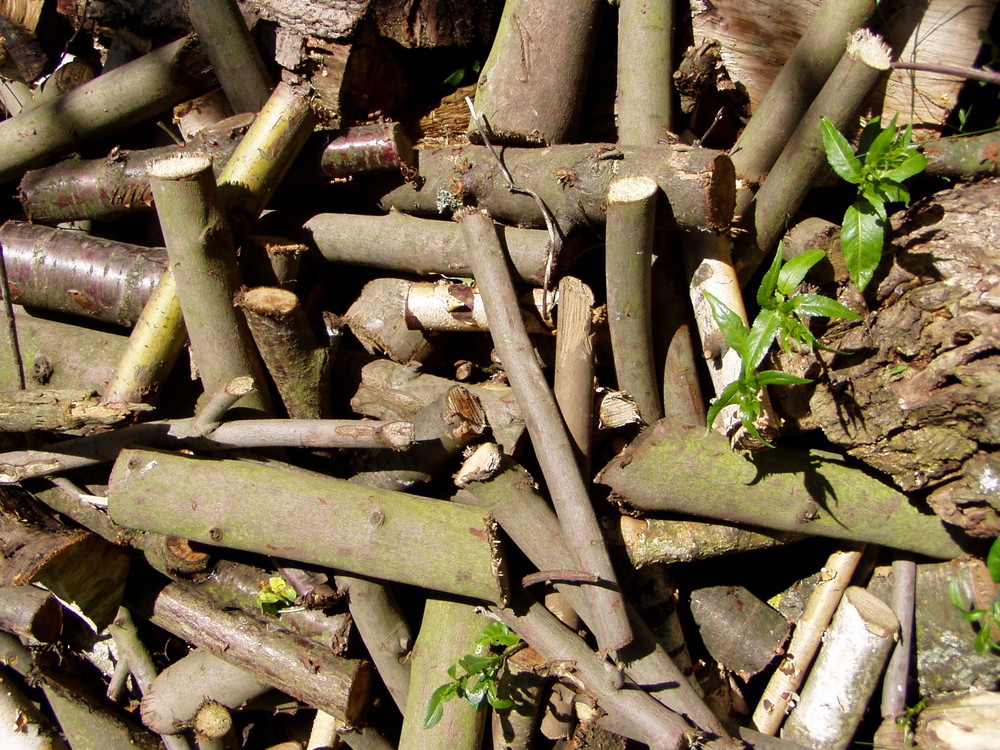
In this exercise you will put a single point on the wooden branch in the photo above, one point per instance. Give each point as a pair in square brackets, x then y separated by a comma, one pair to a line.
[674, 468]
[30, 612]
[897, 673]
[631, 215]
[362, 149]
[531, 86]
[573, 382]
[963, 156]
[235, 58]
[132, 651]
[109, 103]
[546, 428]
[288, 662]
[803, 158]
[270, 260]
[298, 363]
[645, 83]
[59, 411]
[846, 672]
[377, 318]
[117, 184]
[171, 702]
[448, 632]
[450, 306]
[399, 242]
[807, 68]
[203, 262]
[368, 537]
[573, 182]
[75, 273]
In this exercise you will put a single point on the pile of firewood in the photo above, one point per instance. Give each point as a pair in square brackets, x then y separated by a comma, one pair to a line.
[314, 369]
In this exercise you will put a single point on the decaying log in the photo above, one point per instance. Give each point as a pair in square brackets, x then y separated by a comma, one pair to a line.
[573, 182]
[916, 396]
[109, 103]
[72, 272]
[676, 468]
[77, 566]
[376, 533]
[31, 613]
[288, 662]
[720, 611]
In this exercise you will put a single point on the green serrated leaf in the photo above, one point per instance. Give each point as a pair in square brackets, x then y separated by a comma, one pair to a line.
[871, 194]
[795, 270]
[993, 560]
[881, 144]
[728, 396]
[892, 192]
[818, 305]
[861, 239]
[498, 634]
[473, 664]
[777, 377]
[435, 706]
[912, 165]
[765, 328]
[769, 284]
[732, 327]
[748, 423]
[839, 154]
[868, 134]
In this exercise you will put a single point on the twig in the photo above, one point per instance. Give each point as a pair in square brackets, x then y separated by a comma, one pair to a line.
[904, 579]
[545, 426]
[10, 332]
[558, 576]
[555, 237]
[957, 71]
[210, 416]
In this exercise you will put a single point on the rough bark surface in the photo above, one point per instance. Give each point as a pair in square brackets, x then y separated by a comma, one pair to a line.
[917, 396]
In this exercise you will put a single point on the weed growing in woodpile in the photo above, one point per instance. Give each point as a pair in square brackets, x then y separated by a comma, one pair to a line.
[782, 316]
[988, 619]
[884, 160]
[480, 685]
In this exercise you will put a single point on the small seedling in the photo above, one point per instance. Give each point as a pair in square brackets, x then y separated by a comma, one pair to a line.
[275, 595]
[884, 160]
[987, 619]
[480, 685]
[782, 314]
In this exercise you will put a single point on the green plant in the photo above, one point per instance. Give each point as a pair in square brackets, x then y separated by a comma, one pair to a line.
[275, 595]
[884, 159]
[481, 682]
[782, 315]
[987, 619]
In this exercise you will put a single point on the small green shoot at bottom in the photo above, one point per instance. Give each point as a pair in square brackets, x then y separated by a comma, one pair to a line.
[782, 315]
[481, 682]
[988, 619]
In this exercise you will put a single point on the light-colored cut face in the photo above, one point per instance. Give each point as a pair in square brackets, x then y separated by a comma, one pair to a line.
[869, 49]
[628, 189]
[179, 166]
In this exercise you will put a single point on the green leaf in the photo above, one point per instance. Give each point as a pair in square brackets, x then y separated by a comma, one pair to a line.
[871, 194]
[498, 634]
[993, 560]
[435, 706]
[765, 328]
[892, 192]
[728, 396]
[818, 305]
[840, 155]
[473, 664]
[881, 144]
[733, 329]
[861, 239]
[769, 284]
[777, 377]
[795, 270]
[913, 165]
[455, 79]
[955, 595]
[868, 134]
[748, 422]
[983, 641]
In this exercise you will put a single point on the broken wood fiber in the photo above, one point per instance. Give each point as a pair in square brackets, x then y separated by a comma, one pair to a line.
[378, 533]
[573, 181]
[677, 468]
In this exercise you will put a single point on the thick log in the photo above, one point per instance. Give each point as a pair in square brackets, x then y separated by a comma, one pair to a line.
[675, 468]
[75, 273]
[375, 533]
[573, 182]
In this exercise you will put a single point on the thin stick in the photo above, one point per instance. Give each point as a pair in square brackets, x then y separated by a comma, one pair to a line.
[546, 428]
[904, 579]
[10, 330]
[957, 71]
